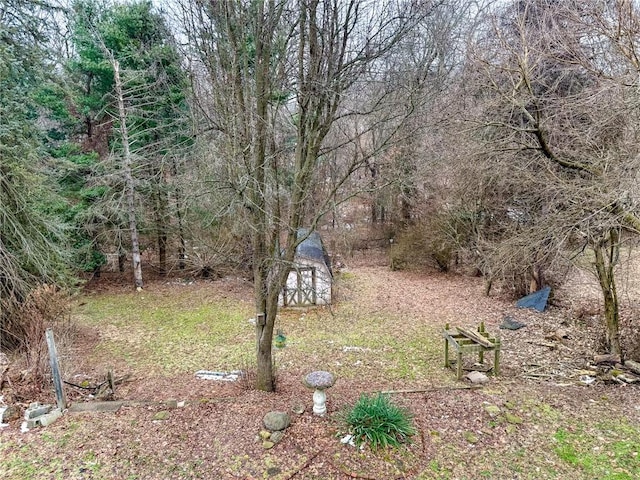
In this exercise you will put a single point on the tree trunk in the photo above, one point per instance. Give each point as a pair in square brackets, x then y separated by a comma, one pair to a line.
[128, 179]
[606, 257]
[122, 259]
[261, 253]
[177, 192]
[265, 378]
[161, 219]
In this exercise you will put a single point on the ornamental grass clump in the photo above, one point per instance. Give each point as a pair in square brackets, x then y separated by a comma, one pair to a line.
[377, 421]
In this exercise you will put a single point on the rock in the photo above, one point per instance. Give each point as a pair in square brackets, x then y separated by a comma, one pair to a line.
[348, 439]
[267, 444]
[276, 421]
[513, 419]
[492, 410]
[161, 415]
[633, 366]
[477, 377]
[276, 436]
[610, 359]
[9, 414]
[264, 434]
[509, 323]
[298, 408]
[471, 437]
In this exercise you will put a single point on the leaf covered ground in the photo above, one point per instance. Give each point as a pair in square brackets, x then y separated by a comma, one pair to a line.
[383, 333]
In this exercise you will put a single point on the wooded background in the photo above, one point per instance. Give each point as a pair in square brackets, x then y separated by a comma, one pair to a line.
[195, 139]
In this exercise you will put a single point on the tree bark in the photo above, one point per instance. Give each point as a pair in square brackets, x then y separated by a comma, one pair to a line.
[264, 332]
[606, 256]
[128, 178]
[177, 193]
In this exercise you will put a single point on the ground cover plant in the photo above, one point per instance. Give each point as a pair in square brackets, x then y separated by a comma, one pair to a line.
[376, 421]
[383, 334]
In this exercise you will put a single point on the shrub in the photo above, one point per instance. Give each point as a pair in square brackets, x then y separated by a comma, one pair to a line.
[45, 307]
[377, 421]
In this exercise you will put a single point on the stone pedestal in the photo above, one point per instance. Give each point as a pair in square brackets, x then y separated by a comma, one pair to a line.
[319, 381]
[319, 402]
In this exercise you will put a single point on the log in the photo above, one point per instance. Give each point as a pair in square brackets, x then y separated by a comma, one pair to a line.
[633, 366]
[476, 337]
[431, 389]
[611, 358]
[112, 382]
[542, 343]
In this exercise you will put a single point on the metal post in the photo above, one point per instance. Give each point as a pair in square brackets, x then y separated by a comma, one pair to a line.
[55, 370]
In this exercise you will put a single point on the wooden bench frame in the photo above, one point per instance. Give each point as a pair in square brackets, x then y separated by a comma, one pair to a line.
[463, 341]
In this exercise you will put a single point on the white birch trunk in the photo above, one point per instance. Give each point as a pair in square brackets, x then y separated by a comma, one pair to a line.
[128, 179]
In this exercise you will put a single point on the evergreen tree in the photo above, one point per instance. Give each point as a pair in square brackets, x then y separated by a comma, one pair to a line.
[153, 89]
[32, 242]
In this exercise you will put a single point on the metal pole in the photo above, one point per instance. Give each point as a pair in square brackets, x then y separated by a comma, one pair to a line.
[55, 370]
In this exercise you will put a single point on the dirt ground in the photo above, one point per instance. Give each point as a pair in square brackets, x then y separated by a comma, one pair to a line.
[212, 435]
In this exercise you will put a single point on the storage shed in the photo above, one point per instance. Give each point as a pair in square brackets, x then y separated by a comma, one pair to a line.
[310, 280]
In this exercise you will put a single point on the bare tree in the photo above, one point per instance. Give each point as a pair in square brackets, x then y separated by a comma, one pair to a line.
[278, 73]
[128, 175]
[555, 109]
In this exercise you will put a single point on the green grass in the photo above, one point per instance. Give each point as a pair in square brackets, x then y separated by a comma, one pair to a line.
[353, 343]
[168, 335]
[24, 463]
[607, 452]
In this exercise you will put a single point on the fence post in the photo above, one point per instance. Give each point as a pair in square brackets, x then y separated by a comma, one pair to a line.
[55, 370]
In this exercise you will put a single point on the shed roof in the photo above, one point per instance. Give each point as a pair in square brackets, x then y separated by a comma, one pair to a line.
[312, 247]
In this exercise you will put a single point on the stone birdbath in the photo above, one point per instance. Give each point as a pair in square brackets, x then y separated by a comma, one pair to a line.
[319, 381]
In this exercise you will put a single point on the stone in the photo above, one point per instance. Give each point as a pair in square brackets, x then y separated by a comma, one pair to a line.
[298, 408]
[31, 423]
[8, 414]
[161, 415]
[276, 436]
[36, 410]
[275, 421]
[264, 434]
[50, 417]
[510, 323]
[471, 437]
[492, 410]
[477, 378]
[96, 407]
[267, 444]
[513, 419]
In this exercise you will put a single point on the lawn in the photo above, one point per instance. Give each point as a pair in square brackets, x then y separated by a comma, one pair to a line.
[382, 334]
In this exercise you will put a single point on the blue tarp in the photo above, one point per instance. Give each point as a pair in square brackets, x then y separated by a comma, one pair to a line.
[536, 300]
